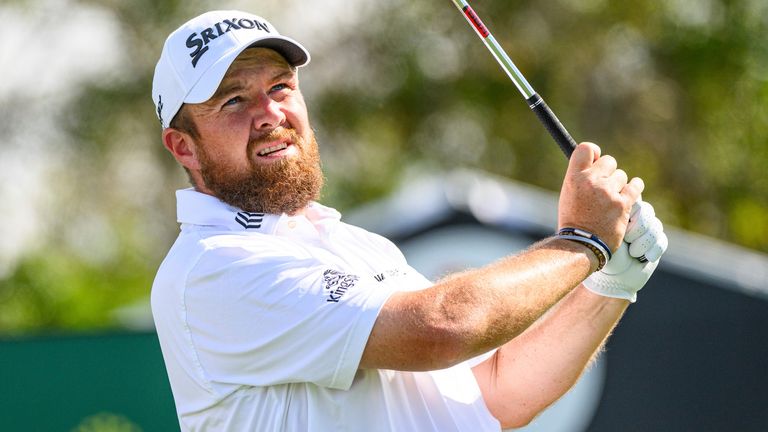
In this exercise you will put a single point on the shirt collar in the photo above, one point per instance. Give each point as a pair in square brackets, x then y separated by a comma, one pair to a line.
[197, 208]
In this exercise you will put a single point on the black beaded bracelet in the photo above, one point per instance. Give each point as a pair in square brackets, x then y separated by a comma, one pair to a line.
[593, 242]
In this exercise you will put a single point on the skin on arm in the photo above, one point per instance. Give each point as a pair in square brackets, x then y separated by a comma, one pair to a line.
[533, 370]
[475, 311]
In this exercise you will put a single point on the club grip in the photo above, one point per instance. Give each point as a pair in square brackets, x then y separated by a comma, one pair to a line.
[553, 125]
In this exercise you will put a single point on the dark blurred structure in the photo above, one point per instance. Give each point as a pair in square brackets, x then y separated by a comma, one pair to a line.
[85, 383]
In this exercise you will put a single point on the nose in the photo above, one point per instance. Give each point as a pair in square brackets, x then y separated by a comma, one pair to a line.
[268, 114]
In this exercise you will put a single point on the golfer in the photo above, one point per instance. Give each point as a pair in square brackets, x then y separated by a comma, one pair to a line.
[274, 315]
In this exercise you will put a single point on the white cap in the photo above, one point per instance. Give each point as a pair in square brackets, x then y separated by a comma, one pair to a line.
[196, 56]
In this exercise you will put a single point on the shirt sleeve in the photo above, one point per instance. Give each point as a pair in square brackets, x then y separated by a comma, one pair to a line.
[267, 320]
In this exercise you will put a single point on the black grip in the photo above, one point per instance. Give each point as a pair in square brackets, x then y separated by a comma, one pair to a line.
[553, 125]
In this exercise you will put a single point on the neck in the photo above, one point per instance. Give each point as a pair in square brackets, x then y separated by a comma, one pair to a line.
[202, 189]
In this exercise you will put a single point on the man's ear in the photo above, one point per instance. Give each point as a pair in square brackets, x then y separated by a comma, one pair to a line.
[182, 147]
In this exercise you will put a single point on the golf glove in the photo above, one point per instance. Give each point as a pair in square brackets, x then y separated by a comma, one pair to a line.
[635, 260]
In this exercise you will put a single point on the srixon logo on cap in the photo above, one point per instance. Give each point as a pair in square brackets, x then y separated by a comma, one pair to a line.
[199, 42]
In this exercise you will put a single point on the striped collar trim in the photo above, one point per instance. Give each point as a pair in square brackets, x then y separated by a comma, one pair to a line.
[196, 208]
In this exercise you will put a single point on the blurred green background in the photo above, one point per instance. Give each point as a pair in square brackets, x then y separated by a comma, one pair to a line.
[676, 90]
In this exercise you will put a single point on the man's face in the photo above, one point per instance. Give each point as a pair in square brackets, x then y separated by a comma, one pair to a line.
[255, 147]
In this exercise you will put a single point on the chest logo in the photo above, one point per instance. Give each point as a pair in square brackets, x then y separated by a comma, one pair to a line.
[336, 284]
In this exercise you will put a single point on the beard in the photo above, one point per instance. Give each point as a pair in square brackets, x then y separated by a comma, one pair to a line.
[283, 186]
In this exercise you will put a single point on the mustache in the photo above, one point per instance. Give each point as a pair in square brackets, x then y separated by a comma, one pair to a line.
[277, 134]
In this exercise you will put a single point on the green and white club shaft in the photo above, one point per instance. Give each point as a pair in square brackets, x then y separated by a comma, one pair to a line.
[493, 46]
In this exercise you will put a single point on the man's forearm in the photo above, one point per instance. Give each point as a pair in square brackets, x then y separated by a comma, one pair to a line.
[535, 369]
[506, 297]
[475, 311]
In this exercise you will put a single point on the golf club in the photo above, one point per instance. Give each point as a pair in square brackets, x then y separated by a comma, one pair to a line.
[535, 102]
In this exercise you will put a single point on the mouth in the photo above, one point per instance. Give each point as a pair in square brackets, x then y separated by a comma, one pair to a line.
[273, 149]
[276, 150]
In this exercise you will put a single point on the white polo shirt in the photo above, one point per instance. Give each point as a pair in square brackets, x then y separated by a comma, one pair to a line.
[263, 319]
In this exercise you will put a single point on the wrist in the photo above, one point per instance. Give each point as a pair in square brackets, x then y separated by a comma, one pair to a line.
[588, 257]
[599, 250]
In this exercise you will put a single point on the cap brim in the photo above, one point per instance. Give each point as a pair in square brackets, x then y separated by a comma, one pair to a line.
[209, 81]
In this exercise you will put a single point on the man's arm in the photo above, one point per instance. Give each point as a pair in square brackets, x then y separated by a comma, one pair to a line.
[475, 311]
[533, 370]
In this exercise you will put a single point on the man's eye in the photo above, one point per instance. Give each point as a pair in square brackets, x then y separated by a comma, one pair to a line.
[232, 101]
[279, 87]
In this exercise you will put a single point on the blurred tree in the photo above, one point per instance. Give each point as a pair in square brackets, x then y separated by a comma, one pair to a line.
[676, 91]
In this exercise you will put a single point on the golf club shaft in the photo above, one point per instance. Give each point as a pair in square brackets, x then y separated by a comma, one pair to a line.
[535, 102]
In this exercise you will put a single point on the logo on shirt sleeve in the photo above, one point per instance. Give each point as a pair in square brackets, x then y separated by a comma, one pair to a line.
[393, 273]
[337, 284]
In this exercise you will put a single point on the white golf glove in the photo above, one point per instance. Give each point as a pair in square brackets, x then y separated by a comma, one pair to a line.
[633, 263]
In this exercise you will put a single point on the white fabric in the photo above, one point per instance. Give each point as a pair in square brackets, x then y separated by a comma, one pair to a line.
[640, 219]
[625, 274]
[262, 320]
[622, 277]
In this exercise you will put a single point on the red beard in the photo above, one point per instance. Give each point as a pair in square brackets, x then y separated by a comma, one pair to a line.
[283, 186]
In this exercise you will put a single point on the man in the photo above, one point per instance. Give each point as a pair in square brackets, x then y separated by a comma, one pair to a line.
[267, 309]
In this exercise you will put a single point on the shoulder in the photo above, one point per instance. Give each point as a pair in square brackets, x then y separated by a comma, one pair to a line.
[380, 242]
[197, 253]
[237, 250]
